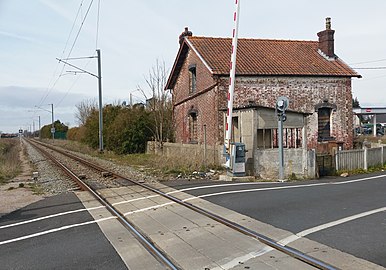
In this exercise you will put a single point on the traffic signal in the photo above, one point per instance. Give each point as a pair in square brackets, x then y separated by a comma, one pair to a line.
[281, 107]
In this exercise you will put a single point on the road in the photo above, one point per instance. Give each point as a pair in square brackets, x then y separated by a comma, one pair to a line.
[78, 247]
[348, 214]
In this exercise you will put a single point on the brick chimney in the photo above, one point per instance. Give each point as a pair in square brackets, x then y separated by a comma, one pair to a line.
[326, 40]
[184, 34]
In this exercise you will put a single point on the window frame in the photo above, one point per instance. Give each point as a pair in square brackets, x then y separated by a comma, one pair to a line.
[192, 78]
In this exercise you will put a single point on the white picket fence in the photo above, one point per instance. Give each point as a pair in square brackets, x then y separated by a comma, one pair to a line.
[360, 158]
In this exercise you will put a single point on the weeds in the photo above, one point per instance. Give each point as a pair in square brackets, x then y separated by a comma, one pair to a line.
[9, 159]
[36, 189]
[150, 163]
[363, 171]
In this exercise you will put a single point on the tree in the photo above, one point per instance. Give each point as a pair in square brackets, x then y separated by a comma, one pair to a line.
[159, 103]
[60, 130]
[85, 109]
[355, 103]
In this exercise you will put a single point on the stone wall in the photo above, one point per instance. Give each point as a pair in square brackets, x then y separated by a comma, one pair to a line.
[197, 153]
[297, 162]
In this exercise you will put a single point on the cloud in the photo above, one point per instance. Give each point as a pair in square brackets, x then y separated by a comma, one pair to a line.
[17, 107]
[15, 36]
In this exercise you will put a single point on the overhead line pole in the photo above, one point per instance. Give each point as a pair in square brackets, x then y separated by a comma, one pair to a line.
[100, 101]
[52, 125]
[99, 77]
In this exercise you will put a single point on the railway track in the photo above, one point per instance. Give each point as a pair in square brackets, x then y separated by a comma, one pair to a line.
[152, 247]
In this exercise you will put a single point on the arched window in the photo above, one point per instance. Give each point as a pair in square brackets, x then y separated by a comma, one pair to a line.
[324, 110]
[324, 125]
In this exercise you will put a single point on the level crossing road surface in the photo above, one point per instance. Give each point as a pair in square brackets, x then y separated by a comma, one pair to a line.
[347, 214]
[82, 247]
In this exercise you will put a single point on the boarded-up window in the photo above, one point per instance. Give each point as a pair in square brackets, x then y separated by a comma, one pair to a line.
[324, 124]
[192, 78]
[193, 138]
[269, 138]
[264, 138]
[235, 129]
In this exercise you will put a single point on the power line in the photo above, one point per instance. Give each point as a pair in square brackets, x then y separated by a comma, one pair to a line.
[72, 47]
[369, 68]
[367, 62]
[49, 89]
[80, 28]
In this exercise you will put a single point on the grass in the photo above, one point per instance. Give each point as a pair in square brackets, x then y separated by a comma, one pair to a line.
[363, 171]
[36, 188]
[149, 163]
[9, 159]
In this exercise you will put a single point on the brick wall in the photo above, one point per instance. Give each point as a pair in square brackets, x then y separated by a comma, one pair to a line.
[304, 94]
[203, 101]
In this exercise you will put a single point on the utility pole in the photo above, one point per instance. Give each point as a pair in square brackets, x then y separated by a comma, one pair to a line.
[52, 125]
[100, 101]
[39, 128]
[99, 77]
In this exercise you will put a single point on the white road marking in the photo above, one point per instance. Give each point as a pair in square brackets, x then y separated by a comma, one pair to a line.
[299, 235]
[321, 227]
[54, 230]
[275, 183]
[50, 216]
[248, 190]
[290, 239]
[148, 208]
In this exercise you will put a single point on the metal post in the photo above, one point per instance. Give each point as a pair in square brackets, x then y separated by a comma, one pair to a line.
[281, 152]
[52, 125]
[39, 128]
[100, 102]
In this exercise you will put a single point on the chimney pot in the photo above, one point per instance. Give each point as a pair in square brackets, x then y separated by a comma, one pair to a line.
[328, 23]
[184, 34]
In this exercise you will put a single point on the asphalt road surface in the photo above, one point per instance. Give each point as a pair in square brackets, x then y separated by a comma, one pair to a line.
[82, 247]
[348, 214]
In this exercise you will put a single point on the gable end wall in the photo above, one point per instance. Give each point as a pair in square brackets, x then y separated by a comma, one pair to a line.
[205, 104]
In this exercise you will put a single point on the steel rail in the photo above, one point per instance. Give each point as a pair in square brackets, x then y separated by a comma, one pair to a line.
[148, 244]
[263, 239]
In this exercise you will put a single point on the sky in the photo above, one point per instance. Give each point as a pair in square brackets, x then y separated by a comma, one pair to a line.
[133, 35]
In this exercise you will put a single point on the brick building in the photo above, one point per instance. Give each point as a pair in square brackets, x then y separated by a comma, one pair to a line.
[316, 81]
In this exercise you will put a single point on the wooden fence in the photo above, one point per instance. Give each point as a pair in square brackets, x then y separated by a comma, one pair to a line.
[360, 158]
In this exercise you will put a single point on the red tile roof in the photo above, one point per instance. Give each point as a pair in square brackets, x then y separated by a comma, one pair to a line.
[269, 57]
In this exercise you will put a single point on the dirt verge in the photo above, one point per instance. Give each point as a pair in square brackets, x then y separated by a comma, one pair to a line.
[17, 193]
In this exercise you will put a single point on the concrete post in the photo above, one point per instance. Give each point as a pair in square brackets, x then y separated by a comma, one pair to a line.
[365, 158]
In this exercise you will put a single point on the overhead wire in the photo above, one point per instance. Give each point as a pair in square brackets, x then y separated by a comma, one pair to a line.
[73, 44]
[80, 28]
[96, 44]
[50, 88]
[368, 62]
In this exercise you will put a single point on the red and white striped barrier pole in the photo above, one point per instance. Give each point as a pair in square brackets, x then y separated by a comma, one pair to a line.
[228, 127]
